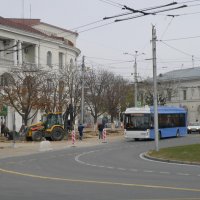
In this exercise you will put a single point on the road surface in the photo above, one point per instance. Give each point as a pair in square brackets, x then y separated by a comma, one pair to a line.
[111, 171]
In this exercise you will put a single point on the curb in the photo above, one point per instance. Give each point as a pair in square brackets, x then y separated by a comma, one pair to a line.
[147, 156]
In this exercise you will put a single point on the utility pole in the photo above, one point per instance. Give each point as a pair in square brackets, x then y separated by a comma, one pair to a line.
[192, 61]
[135, 78]
[82, 89]
[155, 86]
[135, 75]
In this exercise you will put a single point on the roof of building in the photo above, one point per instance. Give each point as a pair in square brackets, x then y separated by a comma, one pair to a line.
[28, 25]
[181, 74]
[33, 22]
[29, 22]
[17, 25]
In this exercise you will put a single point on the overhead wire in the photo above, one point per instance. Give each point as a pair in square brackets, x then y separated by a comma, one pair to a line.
[178, 50]
[190, 1]
[113, 3]
[166, 28]
[88, 24]
[183, 38]
[104, 24]
[153, 13]
[104, 58]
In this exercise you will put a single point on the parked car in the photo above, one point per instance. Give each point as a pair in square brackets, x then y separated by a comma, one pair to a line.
[193, 127]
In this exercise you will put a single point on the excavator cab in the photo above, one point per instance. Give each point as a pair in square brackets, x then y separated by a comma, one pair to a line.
[51, 119]
[49, 127]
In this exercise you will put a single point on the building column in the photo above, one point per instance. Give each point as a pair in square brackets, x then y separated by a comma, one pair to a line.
[1, 47]
[19, 51]
[63, 60]
[39, 62]
[36, 55]
[15, 52]
[65, 55]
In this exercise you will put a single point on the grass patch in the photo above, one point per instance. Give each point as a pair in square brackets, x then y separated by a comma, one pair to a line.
[188, 153]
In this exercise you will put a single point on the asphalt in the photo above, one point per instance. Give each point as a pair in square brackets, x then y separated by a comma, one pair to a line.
[20, 148]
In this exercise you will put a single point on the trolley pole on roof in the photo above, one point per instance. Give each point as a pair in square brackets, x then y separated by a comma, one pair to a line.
[155, 87]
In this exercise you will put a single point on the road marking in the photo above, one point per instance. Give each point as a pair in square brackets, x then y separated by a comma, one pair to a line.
[148, 171]
[99, 182]
[134, 170]
[120, 168]
[183, 174]
[108, 167]
[164, 172]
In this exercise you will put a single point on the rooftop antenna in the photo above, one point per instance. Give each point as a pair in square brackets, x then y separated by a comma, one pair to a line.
[22, 9]
[30, 11]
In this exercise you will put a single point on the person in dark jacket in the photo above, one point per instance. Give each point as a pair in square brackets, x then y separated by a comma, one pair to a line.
[80, 130]
[4, 130]
[100, 128]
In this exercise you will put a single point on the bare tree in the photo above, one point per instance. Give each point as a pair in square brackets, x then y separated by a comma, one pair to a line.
[22, 89]
[165, 91]
[95, 83]
[113, 95]
[54, 92]
[71, 79]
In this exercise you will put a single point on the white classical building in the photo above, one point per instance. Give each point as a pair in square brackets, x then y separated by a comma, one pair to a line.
[185, 85]
[35, 43]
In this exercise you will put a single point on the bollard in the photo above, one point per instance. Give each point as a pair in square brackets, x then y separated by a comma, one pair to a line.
[104, 136]
[73, 137]
[45, 146]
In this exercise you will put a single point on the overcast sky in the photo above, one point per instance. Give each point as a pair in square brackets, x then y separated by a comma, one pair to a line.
[179, 37]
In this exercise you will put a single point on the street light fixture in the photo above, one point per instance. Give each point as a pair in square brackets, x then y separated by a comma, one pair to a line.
[135, 73]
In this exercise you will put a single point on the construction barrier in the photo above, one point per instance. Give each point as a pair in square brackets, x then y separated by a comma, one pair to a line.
[73, 137]
[104, 135]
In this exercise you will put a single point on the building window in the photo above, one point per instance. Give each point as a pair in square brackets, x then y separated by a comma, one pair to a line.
[192, 92]
[169, 95]
[49, 58]
[71, 64]
[3, 81]
[184, 94]
[6, 80]
[50, 84]
[60, 60]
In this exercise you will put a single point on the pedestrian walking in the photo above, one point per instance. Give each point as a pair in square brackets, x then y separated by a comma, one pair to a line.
[4, 130]
[80, 130]
[100, 128]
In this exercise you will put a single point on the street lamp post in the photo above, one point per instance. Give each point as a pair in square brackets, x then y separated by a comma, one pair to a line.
[82, 89]
[135, 78]
[135, 74]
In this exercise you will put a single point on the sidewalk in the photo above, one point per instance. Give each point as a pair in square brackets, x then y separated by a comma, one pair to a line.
[20, 148]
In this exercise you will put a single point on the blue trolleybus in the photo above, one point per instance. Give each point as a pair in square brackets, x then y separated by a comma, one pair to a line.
[139, 122]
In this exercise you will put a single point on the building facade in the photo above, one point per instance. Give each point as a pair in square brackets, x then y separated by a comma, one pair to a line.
[185, 84]
[176, 88]
[34, 43]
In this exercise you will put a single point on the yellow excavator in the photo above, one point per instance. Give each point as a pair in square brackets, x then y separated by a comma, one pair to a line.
[49, 127]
